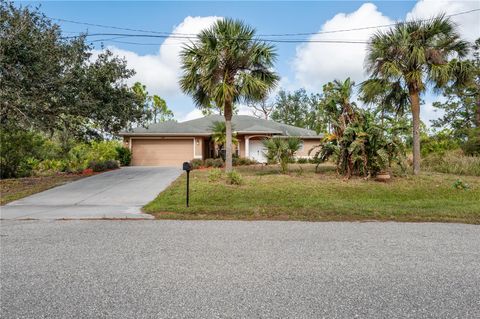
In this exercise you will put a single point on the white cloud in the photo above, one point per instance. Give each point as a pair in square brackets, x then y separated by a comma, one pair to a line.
[317, 63]
[468, 24]
[192, 115]
[196, 113]
[160, 72]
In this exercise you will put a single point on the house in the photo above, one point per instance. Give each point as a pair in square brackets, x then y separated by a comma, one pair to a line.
[171, 143]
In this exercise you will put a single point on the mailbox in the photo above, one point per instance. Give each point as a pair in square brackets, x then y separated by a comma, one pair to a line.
[187, 166]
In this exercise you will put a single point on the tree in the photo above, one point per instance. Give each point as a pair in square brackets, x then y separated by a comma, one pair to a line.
[359, 144]
[219, 136]
[298, 109]
[282, 150]
[415, 54]
[154, 106]
[390, 98]
[227, 65]
[461, 110]
[50, 83]
[161, 112]
[262, 109]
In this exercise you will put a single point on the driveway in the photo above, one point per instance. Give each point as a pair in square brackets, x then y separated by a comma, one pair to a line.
[116, 194]
[220, 269]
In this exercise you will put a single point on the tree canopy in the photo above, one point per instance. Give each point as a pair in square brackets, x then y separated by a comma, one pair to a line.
[53, 83]
[415, 54]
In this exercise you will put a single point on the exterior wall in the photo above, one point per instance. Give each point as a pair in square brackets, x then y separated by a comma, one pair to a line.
[308, 144]
[241, 146]
[126, 141]
[199, 141]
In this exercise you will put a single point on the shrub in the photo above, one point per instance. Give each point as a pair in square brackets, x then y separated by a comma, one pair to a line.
[48, 166]
[103, 150]
[241, 161]
[282, 150]
[213, 162]
[209, 162]
[302, 160]
[459, 184]
[78, 158]
[97, 166]
[196, 163]
[218, 162]
[453, 162]
[440, 142]
[214, 175]
[17, 147]
[124, 155]
[112, 164]
[234, 178]
[472, 146]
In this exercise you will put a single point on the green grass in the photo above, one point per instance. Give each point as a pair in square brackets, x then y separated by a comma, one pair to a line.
[17, 188]
[305, 195]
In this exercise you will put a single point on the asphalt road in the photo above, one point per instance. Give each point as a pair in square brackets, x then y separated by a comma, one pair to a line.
[115, 194]
[218, 269]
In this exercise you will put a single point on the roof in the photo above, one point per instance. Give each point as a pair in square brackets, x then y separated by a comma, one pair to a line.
[242, 124]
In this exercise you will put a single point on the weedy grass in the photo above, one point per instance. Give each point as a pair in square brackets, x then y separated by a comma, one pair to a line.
[265, 194]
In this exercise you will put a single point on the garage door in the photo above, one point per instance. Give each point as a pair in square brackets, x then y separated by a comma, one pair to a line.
[160, 152]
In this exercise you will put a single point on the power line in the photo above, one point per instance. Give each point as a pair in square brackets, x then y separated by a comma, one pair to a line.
[126, 35]
[168, 34]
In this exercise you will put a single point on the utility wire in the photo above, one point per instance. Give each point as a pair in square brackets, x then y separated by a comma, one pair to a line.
[168, 34]
[126, 35]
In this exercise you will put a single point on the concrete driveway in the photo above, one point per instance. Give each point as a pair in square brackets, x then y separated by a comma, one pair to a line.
[116, 194]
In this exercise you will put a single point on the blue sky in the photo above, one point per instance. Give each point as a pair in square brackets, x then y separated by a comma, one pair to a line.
[299, 65]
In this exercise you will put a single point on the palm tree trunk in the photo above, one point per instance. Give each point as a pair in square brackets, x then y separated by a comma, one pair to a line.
[415, 104]
[228, 142]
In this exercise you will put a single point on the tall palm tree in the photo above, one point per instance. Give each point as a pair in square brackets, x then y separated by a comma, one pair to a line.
[389, 97]
[227, 65]
[416, 54]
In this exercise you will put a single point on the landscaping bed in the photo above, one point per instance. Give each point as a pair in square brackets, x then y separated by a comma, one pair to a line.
[302, 194]
[15, 188]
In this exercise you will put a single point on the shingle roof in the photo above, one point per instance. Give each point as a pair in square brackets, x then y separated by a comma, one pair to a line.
[242, 124]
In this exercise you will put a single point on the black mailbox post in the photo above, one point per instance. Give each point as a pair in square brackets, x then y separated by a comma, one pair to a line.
[187, 167]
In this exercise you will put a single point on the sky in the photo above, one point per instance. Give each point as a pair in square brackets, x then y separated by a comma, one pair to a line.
[300, 65]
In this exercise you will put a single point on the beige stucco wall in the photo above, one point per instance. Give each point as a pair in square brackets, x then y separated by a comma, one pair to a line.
[199, 147]
[308, 144]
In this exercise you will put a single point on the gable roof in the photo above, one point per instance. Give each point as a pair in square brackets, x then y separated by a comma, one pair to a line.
[242, 124]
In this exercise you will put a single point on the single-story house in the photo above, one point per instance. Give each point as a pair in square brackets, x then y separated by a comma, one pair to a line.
[172, 143]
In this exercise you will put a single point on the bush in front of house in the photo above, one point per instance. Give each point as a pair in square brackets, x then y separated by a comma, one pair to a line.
[101, 166]
[196, 163]
[234, 178]
[124, 155]
[242, 161]
[214, 162]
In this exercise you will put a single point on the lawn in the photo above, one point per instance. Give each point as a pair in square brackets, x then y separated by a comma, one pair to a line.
[309, 196]
[16, 188]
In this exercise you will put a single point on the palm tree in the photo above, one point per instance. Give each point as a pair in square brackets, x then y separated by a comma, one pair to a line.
[219, 134]
[227, 65]
[282, 150]
[415, 54]
[389, 97]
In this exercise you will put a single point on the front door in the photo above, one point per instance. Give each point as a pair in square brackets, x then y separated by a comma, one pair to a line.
[257, 151]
